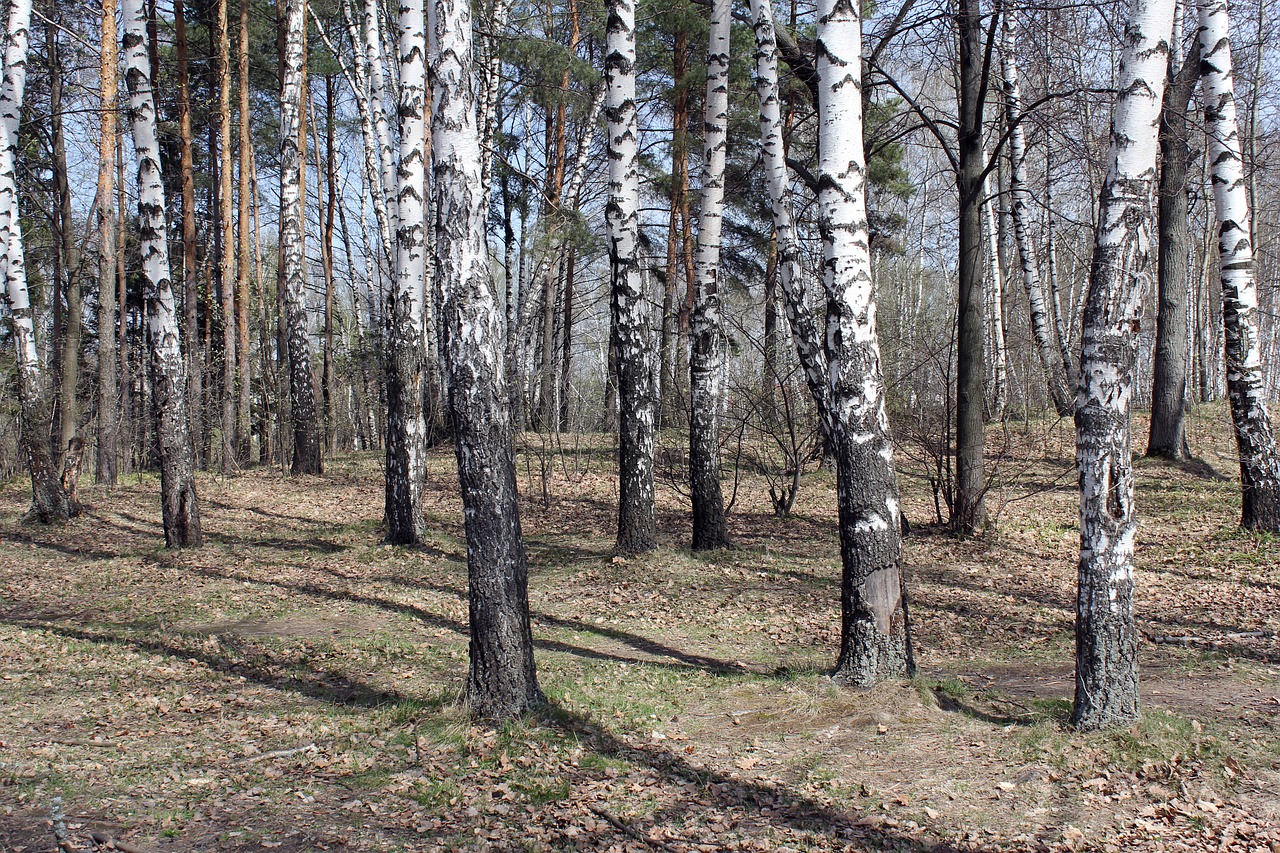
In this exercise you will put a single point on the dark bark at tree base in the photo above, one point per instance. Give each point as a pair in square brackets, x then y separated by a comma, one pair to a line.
[1106, 694]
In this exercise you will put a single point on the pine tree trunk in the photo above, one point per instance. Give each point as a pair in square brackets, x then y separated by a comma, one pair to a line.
[406, 429]
[68, 252]
[1167, 437]
[230, 457]
[502, 681]
[1123, 264]
[244, 256]
[629, 299]
[302, 394]
[328, 379]
[190, 285]
[967, 511]
[566, 353]
[873, 635]
[179, 504]
[706, 333]
[1246, 389]
[1020, 202]
[108, 383]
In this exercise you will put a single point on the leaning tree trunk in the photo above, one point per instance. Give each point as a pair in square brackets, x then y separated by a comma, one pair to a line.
[49, 501]
[706, 332]
[804, 329]
[970, 484]
[302, 392]
[1123, 264]
[1167, 437]
[1246, 382]
[180, 507]
[406, 429]
[873, 636]
[1020, 202]
[502, 682]
[629, 299]
[108, 381]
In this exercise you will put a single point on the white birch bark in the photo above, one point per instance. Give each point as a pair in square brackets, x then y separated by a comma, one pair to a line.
[168, 368]
[373, 61]
[804, 328]
[1019, 205]
[873, 644]
[706, 333]
[1124, 264]
[501, 681]
[306, 428]
[1246, 385]
[995, 306]
[629, 299]
[406, 426]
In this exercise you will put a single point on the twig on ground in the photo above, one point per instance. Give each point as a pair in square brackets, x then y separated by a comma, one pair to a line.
[627, 829]
[280, 753]
[104, 840]
[1174, 640]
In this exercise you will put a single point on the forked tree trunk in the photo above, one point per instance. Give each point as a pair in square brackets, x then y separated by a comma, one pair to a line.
[1167, 437]
[49, 501]
[1123, 265]
[1020, 202]
[502, 681]
[1246, 382]
[629, 299]
[706, 332]
[873, 635]
[302, 394]
[406, 429]
[108, 382]
[180, 507]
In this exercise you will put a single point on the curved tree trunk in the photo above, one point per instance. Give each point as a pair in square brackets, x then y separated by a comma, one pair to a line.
[108, 380]
[49, 501]
[706, 332]
[1246, 386]
[873, 636]
[502, 681]
[629, 300]
[1123, 264]
[302, 392]
[1167, 437]
[406, 429]
[1020, 202]
[180, 506]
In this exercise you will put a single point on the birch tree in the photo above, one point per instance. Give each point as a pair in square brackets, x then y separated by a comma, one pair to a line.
[628, 299]
[1246, 381]
[179, 504]
[49, 502]
[873, 636]
[1019, 205]
[306, 427]
[706, 332]
[1106, 692]
[999, 392]
[501, 681]
[406, 428]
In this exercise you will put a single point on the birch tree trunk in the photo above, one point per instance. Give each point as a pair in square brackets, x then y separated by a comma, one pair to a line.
[49, 501]
[873, 635]
[629, 300]
[302, 394]
[230, 458]
[108, 380]
[502, 681]
[1246, 386]
[1020, 201]
[706, 333]
[1123, 265]
[406, 428]
[180, 506]
[995, 308]
[1167, 437]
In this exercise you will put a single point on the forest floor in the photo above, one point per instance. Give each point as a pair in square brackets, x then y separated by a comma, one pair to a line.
[294, 683]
